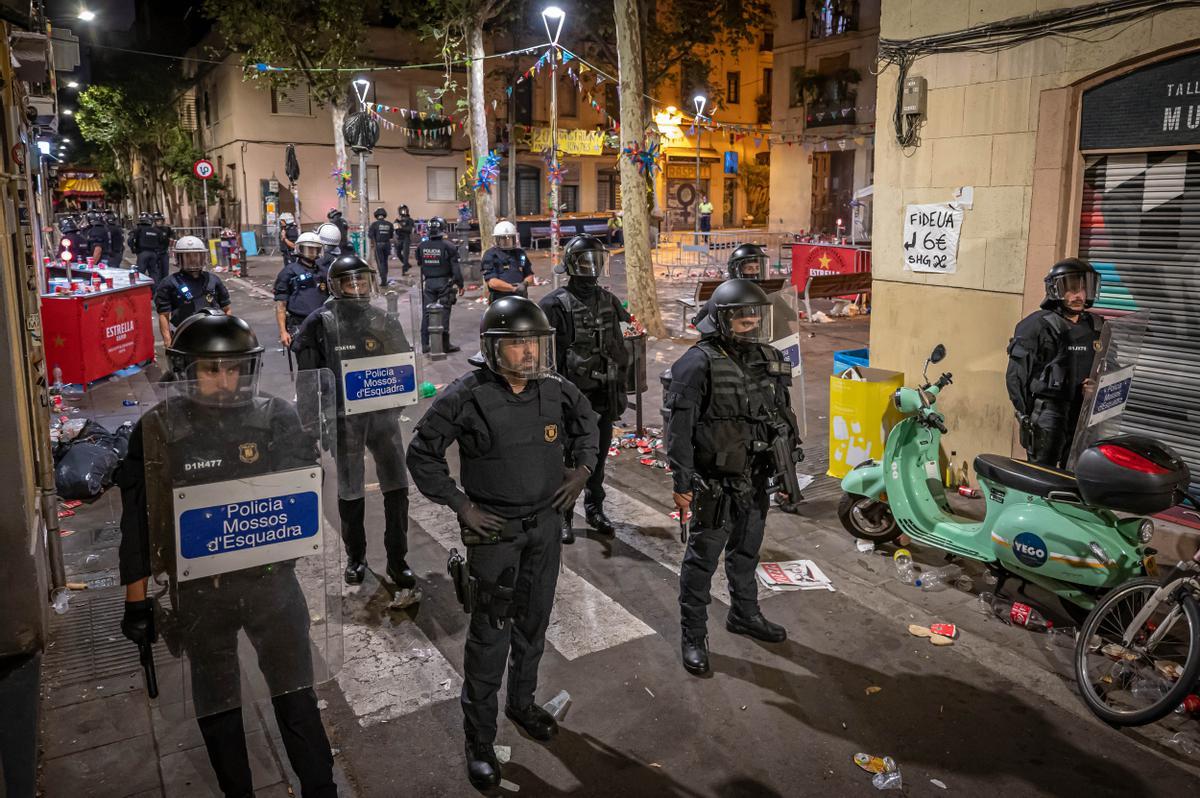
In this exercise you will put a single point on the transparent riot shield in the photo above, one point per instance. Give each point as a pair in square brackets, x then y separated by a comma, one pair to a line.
[786, 338]
[1112, 379]
[243, 549]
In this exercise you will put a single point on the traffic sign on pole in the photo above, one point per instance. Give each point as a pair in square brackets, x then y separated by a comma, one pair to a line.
[203, 169]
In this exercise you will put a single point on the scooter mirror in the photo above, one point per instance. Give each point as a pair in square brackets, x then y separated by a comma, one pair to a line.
[938, 354]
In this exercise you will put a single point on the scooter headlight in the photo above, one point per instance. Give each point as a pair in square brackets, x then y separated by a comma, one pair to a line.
[1146, 531]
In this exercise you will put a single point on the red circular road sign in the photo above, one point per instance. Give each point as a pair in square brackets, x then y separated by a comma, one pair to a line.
[203, 169]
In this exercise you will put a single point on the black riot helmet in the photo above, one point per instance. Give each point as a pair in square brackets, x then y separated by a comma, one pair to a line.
[380, 213]
[1070, 276]
[742, 311]
[67, 225]
[218, 356]
[583, 256]
[749, 262]
[516, 339]
[158, 217]
[333, 215]
[94, 218]
[437, 227]
[402, 210]
[144, 217]
[110, 217]
[352, 278]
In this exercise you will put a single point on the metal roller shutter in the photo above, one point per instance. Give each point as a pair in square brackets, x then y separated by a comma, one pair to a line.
[1140, 228]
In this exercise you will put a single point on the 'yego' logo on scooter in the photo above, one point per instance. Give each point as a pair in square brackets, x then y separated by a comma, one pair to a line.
[1029, 549]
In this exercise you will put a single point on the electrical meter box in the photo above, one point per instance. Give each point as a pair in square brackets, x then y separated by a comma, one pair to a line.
[912, 100]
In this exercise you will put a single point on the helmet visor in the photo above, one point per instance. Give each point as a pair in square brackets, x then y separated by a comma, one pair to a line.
[191, 261]
[222, 382]
[358, 285]
[309, 250]
[526, 357]
[1064, 287]
[749, 323]
[753, 267]
[506, 241]
[587, 264]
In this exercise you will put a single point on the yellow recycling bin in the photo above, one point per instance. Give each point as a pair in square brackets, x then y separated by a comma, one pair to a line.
[861, 413]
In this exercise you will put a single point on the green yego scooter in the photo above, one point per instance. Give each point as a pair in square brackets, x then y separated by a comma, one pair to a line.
[1038, 527]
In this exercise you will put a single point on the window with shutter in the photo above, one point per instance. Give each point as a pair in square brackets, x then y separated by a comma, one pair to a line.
[292, 101]
[441, 183]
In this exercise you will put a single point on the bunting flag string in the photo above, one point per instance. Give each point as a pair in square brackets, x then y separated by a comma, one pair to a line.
[425, 129]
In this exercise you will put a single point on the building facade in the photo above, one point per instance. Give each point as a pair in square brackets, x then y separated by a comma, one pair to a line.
[823, 110]
[1086, 146]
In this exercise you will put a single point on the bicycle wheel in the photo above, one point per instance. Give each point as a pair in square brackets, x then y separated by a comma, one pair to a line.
[1123, 682]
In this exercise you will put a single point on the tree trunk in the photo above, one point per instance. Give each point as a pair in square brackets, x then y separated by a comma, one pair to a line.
[337, 109]
[485, 202]
[639, 271]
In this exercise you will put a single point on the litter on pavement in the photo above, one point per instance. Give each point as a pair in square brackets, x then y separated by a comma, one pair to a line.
[793, 575]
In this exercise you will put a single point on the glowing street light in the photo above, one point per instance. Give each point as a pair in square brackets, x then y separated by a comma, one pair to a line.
[87, 15]
[67, 112]
[556, 14]
[553, 15]
[699, 101]
[72, 84]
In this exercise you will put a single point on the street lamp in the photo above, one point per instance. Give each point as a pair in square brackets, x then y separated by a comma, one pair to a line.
[87, 15]
[67, 112]
[361, 87]
[699, 101]
[72, 85]
[553, 15]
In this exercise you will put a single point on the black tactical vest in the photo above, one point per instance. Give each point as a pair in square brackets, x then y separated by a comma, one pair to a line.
[743, 397]
[596, 340]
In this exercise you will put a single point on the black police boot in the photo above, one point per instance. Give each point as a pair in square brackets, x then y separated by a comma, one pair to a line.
[695, 653]
[483, 769]
[356, 571]
[567, 530]
[451, 349]
[407, 593]
[598, 521]
[537, 722]
[755, 626]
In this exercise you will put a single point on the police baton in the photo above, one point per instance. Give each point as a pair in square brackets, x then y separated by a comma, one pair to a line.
[146, 655]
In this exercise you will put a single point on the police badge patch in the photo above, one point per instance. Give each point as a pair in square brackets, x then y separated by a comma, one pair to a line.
[248, 452]
[551, 433]
[372, 344]
[209, 298]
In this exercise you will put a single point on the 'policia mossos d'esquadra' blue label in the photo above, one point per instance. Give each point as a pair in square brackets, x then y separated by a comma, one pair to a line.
[208, 531]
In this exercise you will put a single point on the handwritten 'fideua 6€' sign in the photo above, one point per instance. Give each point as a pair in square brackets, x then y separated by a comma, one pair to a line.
[931, 238]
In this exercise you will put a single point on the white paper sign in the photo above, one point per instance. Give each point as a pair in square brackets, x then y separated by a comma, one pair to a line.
[1112, 394]
[931, 238]
[240, 523]
[379, 383]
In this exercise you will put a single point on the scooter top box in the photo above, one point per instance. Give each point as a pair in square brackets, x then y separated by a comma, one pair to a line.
[1131, 474]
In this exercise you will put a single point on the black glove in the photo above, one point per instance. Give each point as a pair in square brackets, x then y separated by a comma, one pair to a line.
[138, 622]
[572, 485]
[479, 526]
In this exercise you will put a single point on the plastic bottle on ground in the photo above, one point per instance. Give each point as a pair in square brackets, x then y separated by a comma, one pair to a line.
[936, 579]
[904, 566]
[1014, 612]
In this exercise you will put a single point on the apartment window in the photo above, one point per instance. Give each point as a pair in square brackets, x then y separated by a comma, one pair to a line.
[207, 110]
[523, 97]
[797, 10]
[768, 75]
[568, 98]
[529, 190]
[833, 18]
[425, 99]
[292, 101]
[568, 198]
[372, 181]
[733, 88]
[441, 183]
[768, 42]
[612, 100]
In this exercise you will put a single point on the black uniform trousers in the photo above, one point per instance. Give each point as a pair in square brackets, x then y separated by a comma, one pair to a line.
[147, 264]
[534, 555]
[164, 268]
[383, 251]
[593, 492]
[1053, 431]
[380, 433]
[431, 294]
[740, 537]
[403, 245]
[269, 607]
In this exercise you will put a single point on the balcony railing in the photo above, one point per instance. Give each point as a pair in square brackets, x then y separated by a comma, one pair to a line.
[833, 18]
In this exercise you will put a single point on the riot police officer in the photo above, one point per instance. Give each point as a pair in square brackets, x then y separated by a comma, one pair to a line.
[441, 280]
[727, 400]
[70, 233]
[748, 262]
[116, 240]
[206, 435]
[347, 327]
[145, 242]
[1050, 362]
[289, 235]
[189, 290]
[330, 236]
[380, 233]
[96, 238]
[506, 267]
[589, 348]
[512, 417]
[335, 217]
[404, 230]
[165, 236]
[300, 288]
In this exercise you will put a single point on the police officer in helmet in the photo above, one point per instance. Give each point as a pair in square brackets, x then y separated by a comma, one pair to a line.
[441, 280]
[189, 290]
[404, 225]
[330, 236]
[1050, 362]
[143, 243]
[165, 236]
[513, 416]
[335, 217]
[590, 351]
[116, 240]
[289, 234]
[506, 267]
[381, 233]
[97, 238]
[747, 262]
[300, 288]
[727, 400]
[200, 436]
[347, 327]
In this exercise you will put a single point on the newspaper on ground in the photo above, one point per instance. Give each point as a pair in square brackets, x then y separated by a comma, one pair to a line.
[793, 575]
